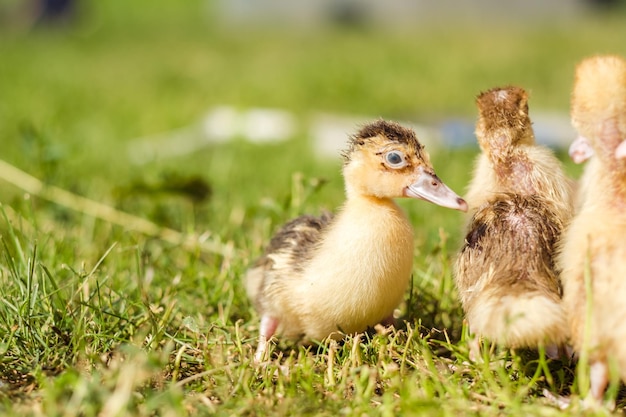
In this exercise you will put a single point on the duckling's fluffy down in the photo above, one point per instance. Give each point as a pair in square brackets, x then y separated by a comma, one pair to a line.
[518, 320]
[287, 254]
[597, 317]
[507, 279]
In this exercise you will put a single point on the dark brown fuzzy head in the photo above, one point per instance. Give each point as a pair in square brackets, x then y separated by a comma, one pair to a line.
[390, 131]
[503, 119]
[504, 108]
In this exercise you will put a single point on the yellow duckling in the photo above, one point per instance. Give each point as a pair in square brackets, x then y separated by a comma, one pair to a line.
[519, 202]
[595, 242]
[325, 276]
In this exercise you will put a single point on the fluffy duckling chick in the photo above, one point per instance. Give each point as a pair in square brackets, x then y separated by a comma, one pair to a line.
[326, 276]
[511, 161]
[519, 202]
[593, 256]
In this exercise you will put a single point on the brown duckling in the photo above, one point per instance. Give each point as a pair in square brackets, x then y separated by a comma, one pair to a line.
[331, 276]
[519, 202]
[593, 256]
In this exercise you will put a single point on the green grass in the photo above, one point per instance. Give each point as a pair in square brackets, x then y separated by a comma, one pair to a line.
[96, 319]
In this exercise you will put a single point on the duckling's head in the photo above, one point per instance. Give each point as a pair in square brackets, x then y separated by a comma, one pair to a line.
[385, 160]
[598, 105]
[503, 121]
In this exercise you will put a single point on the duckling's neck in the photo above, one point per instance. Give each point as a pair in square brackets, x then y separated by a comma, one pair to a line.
[380, 230]
[609, 187]
[513, 169]
[608, 137]
[359, 198]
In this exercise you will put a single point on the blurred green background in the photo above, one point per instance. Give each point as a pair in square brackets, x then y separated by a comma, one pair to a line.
[78, 90]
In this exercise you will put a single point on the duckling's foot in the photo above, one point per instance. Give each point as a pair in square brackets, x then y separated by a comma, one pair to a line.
[266, 331]
[599, 379]
[475, 350]
[589, 403]
[553, 352]
[561, 352]
[389, 321]
[592, 403]
[557, 352]
[568, 352]
[261, 348]
[557, 400]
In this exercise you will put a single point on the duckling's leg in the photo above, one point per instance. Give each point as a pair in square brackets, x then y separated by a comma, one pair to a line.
[389, 321]
[567, 352]
[599, 378]
[562, 352]
[267, 329]
[558, 400]
[553, 351]
[475, 349]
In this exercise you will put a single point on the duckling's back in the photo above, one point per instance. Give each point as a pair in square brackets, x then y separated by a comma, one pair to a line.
[505, 272]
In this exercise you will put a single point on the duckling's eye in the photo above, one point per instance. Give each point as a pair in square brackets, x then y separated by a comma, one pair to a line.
[395, 159]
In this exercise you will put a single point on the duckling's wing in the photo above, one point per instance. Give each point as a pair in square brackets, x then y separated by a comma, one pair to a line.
[288, 252]
[506, 273]
[513, 237]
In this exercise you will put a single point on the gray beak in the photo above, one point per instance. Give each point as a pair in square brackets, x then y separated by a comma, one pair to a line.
[430, 188]
[620, 151]
[580, 150]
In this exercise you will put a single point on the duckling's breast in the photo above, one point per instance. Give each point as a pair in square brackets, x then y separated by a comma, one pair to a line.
[360, 272]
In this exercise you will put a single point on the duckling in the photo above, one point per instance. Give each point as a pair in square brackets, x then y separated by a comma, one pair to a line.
[330, 276]
[519, 202]
[593, 256]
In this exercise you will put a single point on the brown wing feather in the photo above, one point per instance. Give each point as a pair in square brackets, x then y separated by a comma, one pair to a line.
[286, 256]
[516, 237]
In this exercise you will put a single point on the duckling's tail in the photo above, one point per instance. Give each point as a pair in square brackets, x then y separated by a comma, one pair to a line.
[253, 281]
[525, 320]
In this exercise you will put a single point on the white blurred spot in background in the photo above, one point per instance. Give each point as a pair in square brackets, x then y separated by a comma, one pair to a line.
[326, 132]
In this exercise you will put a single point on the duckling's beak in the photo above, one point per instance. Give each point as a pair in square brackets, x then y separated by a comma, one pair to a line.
[430, 188]
[580, 150]
[620, 151]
